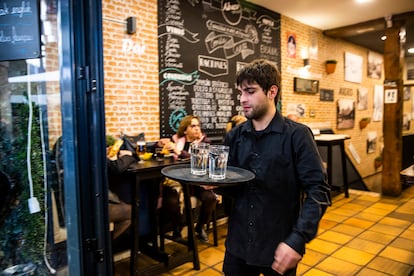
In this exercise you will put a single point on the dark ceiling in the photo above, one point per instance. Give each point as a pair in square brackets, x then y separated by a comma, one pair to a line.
[368, 34]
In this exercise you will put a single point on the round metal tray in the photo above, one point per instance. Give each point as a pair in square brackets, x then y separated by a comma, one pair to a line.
[234, 176]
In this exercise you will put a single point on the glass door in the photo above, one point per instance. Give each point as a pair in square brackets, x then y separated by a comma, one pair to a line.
[53, 211]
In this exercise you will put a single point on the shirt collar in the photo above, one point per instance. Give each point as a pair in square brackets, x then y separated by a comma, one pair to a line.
[276, 125]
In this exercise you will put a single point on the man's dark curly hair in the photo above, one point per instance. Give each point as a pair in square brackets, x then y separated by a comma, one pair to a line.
[262, 72]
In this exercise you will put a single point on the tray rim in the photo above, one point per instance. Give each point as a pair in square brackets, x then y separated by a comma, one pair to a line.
[205, 180]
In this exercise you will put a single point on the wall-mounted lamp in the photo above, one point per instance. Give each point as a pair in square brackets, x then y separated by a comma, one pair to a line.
[131, 26]
[306, 63]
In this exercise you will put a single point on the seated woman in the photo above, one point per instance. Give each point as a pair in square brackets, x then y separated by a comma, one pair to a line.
[189, 132]
[120, 194]
[119, 211]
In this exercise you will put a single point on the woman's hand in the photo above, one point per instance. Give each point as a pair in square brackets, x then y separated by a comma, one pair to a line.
[125, 152]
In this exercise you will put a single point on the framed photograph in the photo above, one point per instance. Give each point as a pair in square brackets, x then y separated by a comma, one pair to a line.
[410, 70]
[362, 98]
[345, 114]
[297, 109]
[371, 141]
[374, 65]
[407, 92]
[291, 45]
[378, 103]
[305, 85]
[406, 121]
[353, 68]
[326, 95]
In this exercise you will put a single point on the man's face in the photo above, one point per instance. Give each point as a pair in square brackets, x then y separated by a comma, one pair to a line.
[253, 99]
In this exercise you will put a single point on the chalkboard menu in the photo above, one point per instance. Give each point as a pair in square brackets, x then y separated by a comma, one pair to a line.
[202, 44]
[19, 30]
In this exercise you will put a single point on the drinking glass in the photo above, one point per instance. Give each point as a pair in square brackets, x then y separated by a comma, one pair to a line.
[199, 157]
[218, 156]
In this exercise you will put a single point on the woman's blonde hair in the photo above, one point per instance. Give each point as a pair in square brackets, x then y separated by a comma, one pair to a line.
[235, 121]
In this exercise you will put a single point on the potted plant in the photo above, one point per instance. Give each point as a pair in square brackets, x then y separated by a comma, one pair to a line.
[330, 66]
[378, 162]
[364, 122]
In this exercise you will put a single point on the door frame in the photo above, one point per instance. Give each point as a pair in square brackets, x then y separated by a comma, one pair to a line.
[83, 137]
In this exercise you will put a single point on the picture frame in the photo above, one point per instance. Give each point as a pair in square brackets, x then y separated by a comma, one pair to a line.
[305, 85]
[326, 95]
[353, 68]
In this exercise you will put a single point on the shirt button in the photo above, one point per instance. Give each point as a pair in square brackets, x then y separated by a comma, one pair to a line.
[250, 223]
[251, 206]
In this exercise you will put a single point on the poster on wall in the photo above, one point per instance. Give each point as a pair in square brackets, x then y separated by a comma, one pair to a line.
[362, 98]
[297, 109]
[201, 46]
[345, 114]
[371, 141]
[326, 95]
[374, 65]
[378, 103]
[406, 121]
[412, 106]
[353, 68]
[291, 45]
[407, 92]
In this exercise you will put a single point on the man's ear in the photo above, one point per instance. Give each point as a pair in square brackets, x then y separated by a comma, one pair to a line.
[272, 93]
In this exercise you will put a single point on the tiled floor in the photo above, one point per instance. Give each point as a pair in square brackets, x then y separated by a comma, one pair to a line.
[365, 234]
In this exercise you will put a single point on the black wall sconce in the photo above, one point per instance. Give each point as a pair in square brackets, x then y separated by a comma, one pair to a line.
[306, 63]
[131, 25]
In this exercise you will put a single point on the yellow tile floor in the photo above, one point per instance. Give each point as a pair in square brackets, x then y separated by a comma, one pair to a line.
[365, 234]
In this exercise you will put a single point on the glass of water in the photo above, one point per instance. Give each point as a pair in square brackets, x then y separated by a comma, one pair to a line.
[218, 156]
[199, 157]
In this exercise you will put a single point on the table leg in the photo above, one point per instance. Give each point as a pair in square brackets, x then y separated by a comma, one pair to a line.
[135, 227]
[329, 169]
[192, 242]
[344, 171]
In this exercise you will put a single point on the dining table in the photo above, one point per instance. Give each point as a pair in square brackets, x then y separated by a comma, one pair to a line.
[148, 172]
[329, 141]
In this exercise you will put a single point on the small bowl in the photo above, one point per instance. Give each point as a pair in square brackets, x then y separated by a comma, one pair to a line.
[146, 156]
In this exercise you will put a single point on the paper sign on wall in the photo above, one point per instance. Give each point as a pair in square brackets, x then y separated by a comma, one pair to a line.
[390, 96]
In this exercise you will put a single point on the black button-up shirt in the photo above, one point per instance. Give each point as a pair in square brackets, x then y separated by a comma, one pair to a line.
[271, 209]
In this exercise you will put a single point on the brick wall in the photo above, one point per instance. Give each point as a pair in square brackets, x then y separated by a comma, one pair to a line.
[325, 112]
[131, 77]
[130, 68]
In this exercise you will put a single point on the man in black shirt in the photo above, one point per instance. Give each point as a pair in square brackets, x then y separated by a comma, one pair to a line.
[277, 213]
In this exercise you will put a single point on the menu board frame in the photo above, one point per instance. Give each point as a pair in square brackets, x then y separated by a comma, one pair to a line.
[20, 30]
[201, 46]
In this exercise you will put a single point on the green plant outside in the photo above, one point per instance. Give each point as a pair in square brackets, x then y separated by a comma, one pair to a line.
[22, 233]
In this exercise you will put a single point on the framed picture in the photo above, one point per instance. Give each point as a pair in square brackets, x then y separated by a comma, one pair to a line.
[362, 98]
[297, 109]
[407, 92]
[374, 65]
[371, 141]
[305, 85]
[326, 95]
[378, 103]
[291, 45]
[353, 68]
[345, 114]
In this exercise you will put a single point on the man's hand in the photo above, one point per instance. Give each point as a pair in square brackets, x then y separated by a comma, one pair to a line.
[285, 258]
[208, 187]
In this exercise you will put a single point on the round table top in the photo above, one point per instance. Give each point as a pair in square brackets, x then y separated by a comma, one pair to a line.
[234, 176]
